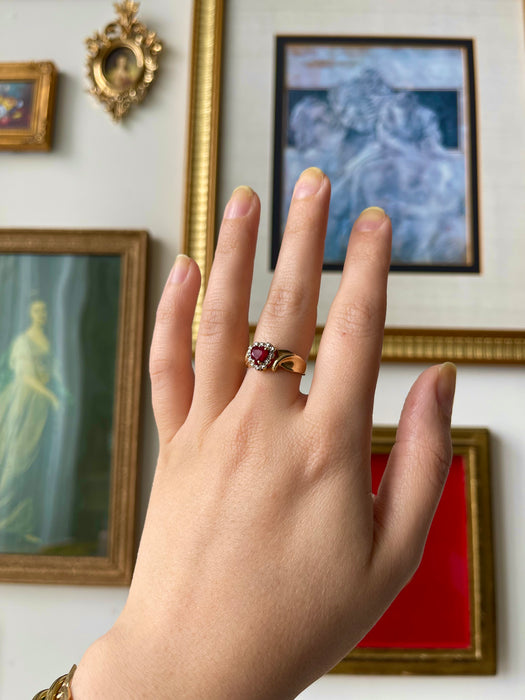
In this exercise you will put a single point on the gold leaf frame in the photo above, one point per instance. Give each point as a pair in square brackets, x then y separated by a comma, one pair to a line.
[426, 345]
[472, 444]
[38, 136]
[116, 567]
[125, 33]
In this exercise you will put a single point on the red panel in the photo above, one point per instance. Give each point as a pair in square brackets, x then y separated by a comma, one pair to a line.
[432, 612]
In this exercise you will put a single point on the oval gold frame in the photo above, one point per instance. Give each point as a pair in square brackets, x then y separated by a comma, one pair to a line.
[98, 67]
[127, 33]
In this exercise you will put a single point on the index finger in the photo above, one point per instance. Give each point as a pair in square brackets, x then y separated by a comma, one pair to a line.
[350, 350]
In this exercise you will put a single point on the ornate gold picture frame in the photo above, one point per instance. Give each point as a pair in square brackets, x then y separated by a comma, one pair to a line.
[468, 340]
[71, 336]
[27, 104]
[443, 622]
[122, 61]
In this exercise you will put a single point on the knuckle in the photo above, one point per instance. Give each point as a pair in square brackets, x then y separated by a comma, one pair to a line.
[166, 310]
[359, 317]
[228, 242]
[215, 319]
[322, 456]
[159, 366]
[243, 439]
[437, 458]
[441, 457]
[371, 254]
[365, 255]
[163, 359]
[432, 459]
[285, 301]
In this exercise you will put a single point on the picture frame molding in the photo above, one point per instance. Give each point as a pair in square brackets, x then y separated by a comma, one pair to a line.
[116, 568]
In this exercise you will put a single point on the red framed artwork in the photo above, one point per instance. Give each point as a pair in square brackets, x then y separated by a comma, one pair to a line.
[443, 622]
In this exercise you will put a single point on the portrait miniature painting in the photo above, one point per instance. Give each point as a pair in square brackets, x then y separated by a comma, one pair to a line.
[58, 349]
[16, 104]
[392, 123]
[121, 69]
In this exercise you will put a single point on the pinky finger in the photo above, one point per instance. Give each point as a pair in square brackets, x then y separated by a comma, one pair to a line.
[417, 470]
[170, 364]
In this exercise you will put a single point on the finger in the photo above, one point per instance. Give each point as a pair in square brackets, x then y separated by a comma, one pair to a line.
[170, 364]
[350, 350]
[223, 330]
[417, 470]
[289, 314]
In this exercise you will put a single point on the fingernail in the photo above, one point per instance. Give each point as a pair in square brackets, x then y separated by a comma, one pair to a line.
[309, 183]
[240, 202]
[446, 387]
[180, 269]
[370, 219]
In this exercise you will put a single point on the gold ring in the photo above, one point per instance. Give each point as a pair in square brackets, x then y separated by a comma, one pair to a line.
[264, 356]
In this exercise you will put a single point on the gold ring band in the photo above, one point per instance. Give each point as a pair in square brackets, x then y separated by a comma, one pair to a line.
[263, 356]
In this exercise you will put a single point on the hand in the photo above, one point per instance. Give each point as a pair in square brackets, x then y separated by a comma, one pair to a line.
[265, 557]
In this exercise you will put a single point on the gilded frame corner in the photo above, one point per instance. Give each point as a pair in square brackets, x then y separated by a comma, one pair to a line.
[38, 136]
[427, 345]
[480, 658]
[115, 568]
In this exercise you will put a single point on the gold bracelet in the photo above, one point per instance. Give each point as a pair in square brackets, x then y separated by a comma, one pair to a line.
[60, 690]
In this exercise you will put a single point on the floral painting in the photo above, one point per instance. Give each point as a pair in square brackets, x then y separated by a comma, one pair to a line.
[16, 103]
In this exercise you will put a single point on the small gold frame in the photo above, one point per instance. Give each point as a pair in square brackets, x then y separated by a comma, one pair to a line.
[116, 566]
[478, 346]
[133, 50]
[36, 136]
[472, 444]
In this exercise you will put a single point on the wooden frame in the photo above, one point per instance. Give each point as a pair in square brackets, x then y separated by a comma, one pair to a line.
[402, 343]
[475, 653]
[102, 464]
[35, 135]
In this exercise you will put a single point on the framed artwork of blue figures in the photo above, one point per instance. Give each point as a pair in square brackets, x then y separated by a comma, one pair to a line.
[392, 122]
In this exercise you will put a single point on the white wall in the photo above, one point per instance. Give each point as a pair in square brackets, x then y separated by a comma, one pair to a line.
[103, 175]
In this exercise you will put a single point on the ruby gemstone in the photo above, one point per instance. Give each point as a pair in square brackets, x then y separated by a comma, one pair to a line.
[259, 354]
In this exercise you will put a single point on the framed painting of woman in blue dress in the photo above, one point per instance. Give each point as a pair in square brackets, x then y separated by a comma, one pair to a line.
[71, 314]
[393, 124]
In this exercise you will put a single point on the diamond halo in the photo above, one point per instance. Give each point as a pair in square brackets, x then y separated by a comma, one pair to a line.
[260, 355]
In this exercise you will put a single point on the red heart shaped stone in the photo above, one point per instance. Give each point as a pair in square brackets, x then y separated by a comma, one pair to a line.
[259, 354]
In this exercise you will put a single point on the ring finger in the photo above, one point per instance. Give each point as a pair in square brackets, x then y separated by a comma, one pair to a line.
[289, 315]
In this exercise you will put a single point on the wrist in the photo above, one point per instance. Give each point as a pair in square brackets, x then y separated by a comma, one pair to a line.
[109, 670]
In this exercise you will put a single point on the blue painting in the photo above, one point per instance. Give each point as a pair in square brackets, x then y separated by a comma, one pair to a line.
[392, 124]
